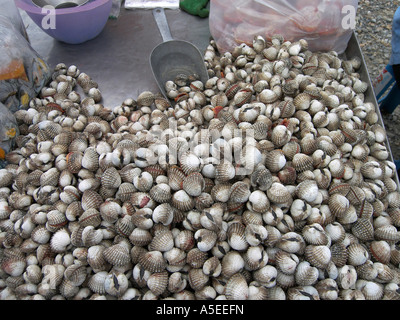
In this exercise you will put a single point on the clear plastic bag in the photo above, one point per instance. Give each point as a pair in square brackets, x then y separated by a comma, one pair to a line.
[8, 131]
[323, 23]
[23, 72]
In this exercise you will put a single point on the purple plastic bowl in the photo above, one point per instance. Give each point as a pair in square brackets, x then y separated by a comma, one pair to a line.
[72, 25]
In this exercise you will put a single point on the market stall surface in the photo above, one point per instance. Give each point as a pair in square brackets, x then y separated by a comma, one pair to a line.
[118, 58]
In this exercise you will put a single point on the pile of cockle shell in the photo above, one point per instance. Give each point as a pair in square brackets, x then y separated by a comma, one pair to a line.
[272, 180]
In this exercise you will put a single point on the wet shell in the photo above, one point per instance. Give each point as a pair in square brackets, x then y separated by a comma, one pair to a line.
[261, 178]
[74, 161]
[280, 135]
[175, 177]
[339, 254]
[387, 232]
[162, 241]
[357, 254]
[318, 256]
[197, 279]
[224, 171]
[237, 288]
[231, 263]
[182, 201]
[315, 234]
[286, 262]
[278, 193]
[91, 199]
[338, 204]
[60, 240]
[363, 229]
[152, 261]
[306, 275]
[380, 251]
[193, 184]
[117, 255]
[111, 178]
[158, 282]
[275, 160]
[302, 162]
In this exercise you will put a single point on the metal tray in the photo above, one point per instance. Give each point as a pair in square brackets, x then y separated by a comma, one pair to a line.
[354, 50]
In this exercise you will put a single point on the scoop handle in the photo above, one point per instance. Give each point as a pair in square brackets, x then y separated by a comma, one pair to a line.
[162, 24]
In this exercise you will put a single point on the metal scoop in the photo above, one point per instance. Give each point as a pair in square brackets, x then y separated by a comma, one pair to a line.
[174, 57]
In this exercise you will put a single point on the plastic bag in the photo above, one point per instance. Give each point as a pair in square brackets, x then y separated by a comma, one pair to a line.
[23, 72]
[151, 4]
[8, 130]
[320, 22]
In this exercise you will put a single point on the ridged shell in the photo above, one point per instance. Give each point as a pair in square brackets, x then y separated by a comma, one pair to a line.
[140, 237]
[338, 204]
[74, 161]
[363, 229]
[193, 184]
[224, 171]
[357, 254]
[237, 288]
[161, 193]
[318, 256]
[152, 261]
[261, 178]
[286, 262]
[175, 177]
[111, 178]
[124, 226]
[158, 282]
[387, 232]
[306, 275]
[231, 263]
[143, 182]
[302, 162]
[339, 254]
[239, 192]
[91, 199]
[162, 241]
[315, 234]
[380, 251]
[236, 236]
[278, 193]
[196, 258]
[117, 255]
[197, 279]
[275, 160]
[182, 201]
[90, 217]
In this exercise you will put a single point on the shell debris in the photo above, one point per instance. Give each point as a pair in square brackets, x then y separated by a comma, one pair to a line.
[271, 180]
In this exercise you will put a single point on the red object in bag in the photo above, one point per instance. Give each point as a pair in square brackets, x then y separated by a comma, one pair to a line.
[317, 21]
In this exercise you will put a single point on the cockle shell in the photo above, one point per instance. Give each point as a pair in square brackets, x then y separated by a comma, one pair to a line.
[117, 255]
[278, 193]
[152, 261]
[275, 160]
[193, 184]
[237, 288]
[231, 263]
